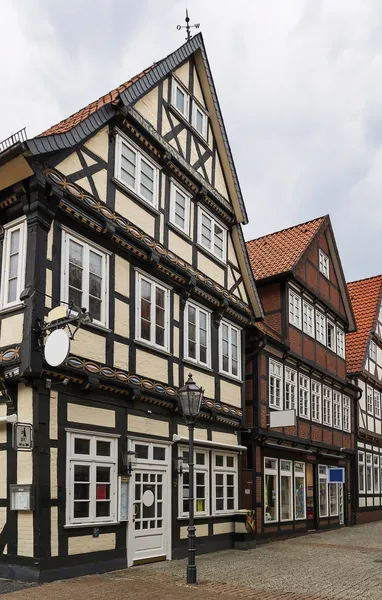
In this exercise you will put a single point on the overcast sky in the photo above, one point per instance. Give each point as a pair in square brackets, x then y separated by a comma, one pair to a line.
[299, 84]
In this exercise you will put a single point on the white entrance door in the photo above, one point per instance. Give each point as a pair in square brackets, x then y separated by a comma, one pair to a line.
[150, 503]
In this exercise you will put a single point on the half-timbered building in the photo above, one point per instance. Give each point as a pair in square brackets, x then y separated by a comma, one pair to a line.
[300, 368]
[131, 208]
[364, 366]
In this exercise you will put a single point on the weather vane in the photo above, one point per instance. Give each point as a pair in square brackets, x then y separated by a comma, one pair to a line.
[187, 27]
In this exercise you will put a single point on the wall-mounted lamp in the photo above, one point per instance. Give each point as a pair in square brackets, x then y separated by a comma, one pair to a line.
[178, 465]
[129, 460]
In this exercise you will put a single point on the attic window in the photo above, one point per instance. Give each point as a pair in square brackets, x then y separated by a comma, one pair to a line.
[199, 120]
[373, 351]
[180, 99]
[323, 263]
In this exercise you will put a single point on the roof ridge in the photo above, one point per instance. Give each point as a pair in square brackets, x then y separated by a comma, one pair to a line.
[287, 229]
[364, 279]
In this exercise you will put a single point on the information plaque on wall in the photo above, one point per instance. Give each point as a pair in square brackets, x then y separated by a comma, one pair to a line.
[23, 436]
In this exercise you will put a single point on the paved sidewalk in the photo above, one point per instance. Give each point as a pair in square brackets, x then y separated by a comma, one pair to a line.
[339, 565]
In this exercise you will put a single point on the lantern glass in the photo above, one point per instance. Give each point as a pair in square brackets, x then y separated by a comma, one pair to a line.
[190, 398]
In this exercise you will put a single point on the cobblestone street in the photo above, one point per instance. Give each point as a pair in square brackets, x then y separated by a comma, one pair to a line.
[344, 564]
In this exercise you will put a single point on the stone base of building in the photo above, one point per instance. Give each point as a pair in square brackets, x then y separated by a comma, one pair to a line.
[368, 515]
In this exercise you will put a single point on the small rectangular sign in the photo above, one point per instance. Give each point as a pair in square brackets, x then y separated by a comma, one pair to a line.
[282, 418]
[23, 436]
[336, 475]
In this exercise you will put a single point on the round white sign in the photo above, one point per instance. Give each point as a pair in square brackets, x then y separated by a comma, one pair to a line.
[57, 347]
[148, 498]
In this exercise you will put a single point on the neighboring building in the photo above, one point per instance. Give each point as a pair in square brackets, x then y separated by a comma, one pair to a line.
[364, 366]
[132, 208]
[307, 311]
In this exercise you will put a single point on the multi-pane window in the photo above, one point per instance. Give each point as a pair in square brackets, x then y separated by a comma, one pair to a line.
[327, 406]
[377, 404]
[85, 274]
[376, 473]
[304, 397]
[346, 413]
[323, 490]
[361, 472]
[201, 483]
[180, 209]
[212, 235]
[275, 384]
[333, 499]
[337, 410]
[137, 171]
[340, 342]
[91, 479]
[294, 309]
[290, 389]
[323, 263]
[308, 318]
[230, 349]
[199, 120]
[369, 474]
[331, 335]
[316, 401]
[299, 491]
[13, 263]
[180, 99]
[225, 482]
[286, 490]
[373, 351]
[270, 490]
[369, 400]
[320, 328]
[197, 334]
[152, 311]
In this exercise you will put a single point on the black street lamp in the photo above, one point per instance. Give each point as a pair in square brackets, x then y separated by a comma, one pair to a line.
[189, 398]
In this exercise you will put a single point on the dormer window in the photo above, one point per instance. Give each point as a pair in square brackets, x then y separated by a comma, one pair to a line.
[323, 263]
[180, 99]
[373, 351]
[199, 120]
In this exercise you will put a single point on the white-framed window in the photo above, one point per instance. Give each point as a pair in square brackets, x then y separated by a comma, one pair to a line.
[299, 491]
[373, 351]
[91, 490]
[369, 400]
[346, 413]
[320, 328]
[308, 318]
[337, 410]
[331, 335]
[199, 120]
[286, 490]
[224, 489]
[134, 169]
[304, 397]
[290, 389]
[376, 473]
[361, 472]
[327, 405]
[197, 336]
[212, 235]
[180, 99]
[294, 309]
[179, 209]
[316, 401]
[369, 473]
[333, 499]
[323, 263]
[13, 262]
[275, 384]
[85, 276]
[152, 311]
[323, 490]
[271, 491]
[340, 342]
[230, 349]
[201, 482]
[377, 404]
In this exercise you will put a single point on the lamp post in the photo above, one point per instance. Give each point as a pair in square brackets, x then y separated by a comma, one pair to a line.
[189, 398]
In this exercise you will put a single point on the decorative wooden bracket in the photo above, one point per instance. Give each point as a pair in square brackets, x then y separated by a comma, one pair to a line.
[187, 291]
[219, 312]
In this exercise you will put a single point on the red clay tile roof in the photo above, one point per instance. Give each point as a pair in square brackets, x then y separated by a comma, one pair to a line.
[269, 331]
[364, 296]
[278, 252]
[81, 115]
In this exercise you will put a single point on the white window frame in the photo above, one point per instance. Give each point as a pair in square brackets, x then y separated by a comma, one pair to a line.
[327, 405]
[373, 351]
[346, 413]
[291, 389]
[175, 86]
[323, 260]
[376, 471]
[197, 469]
[308, 319]
[377, 404]
[275, 473]
[225, 471]
[140, 156]
[316, 400]
[361, 479]
[195, 107]
[369, 464]
[304, 396]
[275, 380]
[214, 221]
[294, 309]
[139, 276]
[93, 461]
[229, 373]
[370, 400]
[299, 474]
[67, 237]
[340, 337]
[290, 475]
[337, 410]
[320, 327]
[323, 476]
[333, 345]
[9, 228]
[173, 190]
[198, 309]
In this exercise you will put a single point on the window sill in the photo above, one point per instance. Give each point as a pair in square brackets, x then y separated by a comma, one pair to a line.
[98, 327]
[306, 418]
[145, 203]
[197, 365]
[151, 347]
[102, 524]
[211, 256]
[218, 515]
[185, 518]
[180, 232]
[231, 377]
[10, 309]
